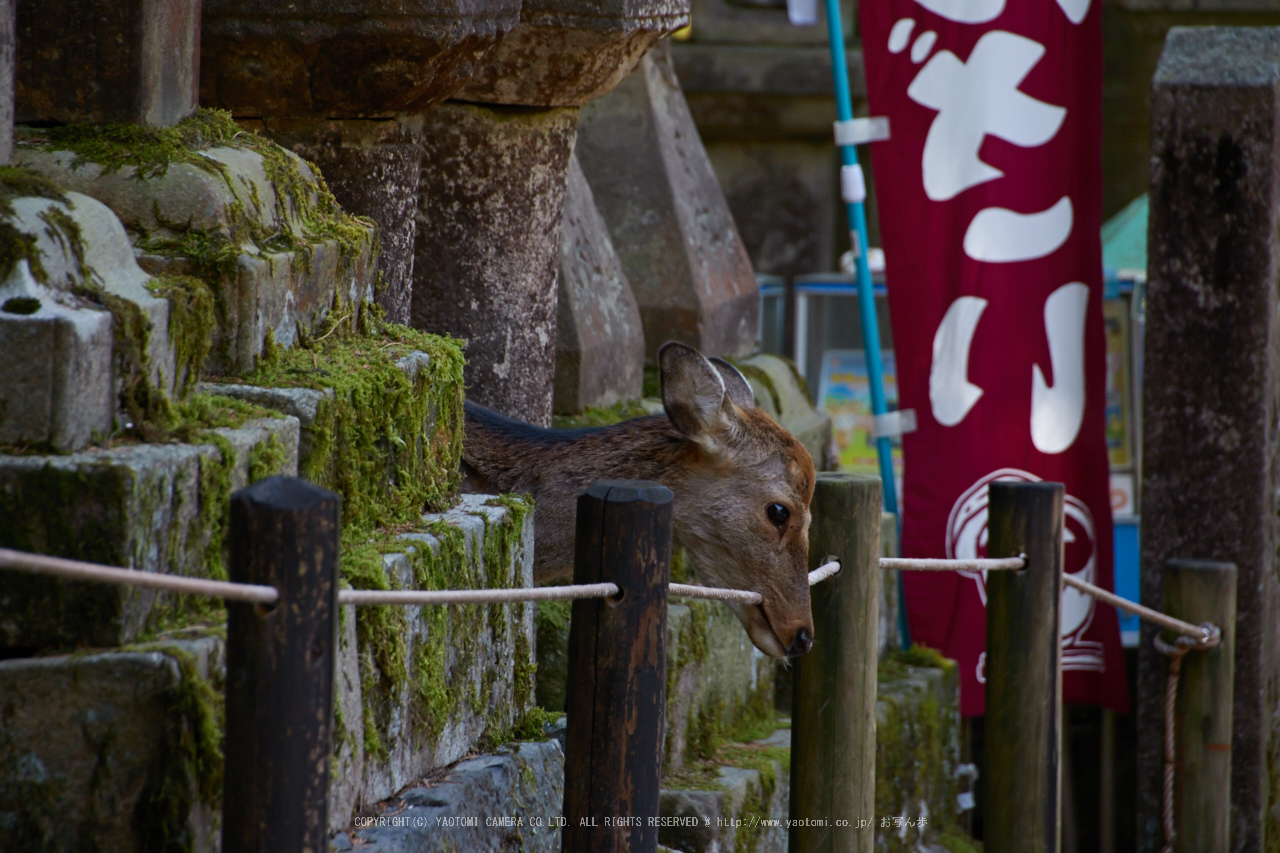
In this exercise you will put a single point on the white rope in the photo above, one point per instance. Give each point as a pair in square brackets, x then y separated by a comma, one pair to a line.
[75, 570]
[710, 593]
[361, 597]
[911, 564]
[823, 572]
[1199, 633]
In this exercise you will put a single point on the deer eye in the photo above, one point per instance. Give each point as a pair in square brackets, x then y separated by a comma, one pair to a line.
[778, 514]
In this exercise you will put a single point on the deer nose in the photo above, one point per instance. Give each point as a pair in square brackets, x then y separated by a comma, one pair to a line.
[801, 644]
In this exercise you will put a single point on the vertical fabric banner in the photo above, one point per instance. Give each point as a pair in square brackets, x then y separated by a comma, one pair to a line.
[990, 202]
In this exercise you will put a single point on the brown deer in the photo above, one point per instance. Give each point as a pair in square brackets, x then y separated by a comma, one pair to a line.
[742, 487]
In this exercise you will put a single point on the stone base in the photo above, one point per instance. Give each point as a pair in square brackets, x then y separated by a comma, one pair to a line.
[224, 210]
[671, 227]
[599, 334]
[103, 751]
[153, 508]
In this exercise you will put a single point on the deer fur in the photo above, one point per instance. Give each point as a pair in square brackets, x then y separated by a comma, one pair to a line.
[725, 461]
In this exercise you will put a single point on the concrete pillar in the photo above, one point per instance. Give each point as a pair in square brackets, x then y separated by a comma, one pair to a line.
[6, 80]
[372, 168]
[599, 335]
[491, 197]
[668, 218]
[85, 60]
[1212, 387]
[493, 189]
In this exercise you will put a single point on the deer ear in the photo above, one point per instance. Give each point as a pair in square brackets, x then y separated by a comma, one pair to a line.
[735, 384]
[693, 391]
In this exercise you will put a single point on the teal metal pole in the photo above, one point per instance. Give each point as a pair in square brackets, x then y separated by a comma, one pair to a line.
[857, 214]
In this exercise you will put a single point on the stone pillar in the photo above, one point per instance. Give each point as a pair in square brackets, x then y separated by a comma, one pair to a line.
[493, 189]
[6, 80]
[668, 218]
[491, 197]
[1212, 387]
[372, 168]
[85, 60]
[333, 85]
[599, 335]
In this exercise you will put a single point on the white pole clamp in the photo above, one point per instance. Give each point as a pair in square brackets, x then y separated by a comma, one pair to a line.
[853, 185]
[892, 424]
[860, 131]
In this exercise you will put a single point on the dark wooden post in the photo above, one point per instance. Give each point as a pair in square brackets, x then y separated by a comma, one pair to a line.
[284, 532]
[617, 669]
[1199, 591]
[1024, 670]
[833, 710]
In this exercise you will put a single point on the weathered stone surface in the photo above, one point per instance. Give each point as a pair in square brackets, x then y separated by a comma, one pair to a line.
[917, 751]
[1210, 387]
[301, 403]
[153, 508]
[599, 335]
[231, 204]
[480, 658]
[488, 244]
[344, 58]
[747, 812]
[755, 22]
[7, 60]
[779, 392]
[566, 52]
[668, 218]
[58, 387]
[96, 751]
[82, 60]
[372, 168]
[524, 781]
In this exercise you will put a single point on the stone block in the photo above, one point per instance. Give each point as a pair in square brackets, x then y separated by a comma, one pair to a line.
[917, 752]
[655, 188]
[220, 217]
[153, 508]
[305, 404]
[742, 807]
[1210, 383]
[326, 58]
[59, 387]
[372, 168]
[132, 61]
[754, 22]
[488, 245]
[599, 335]
[566, 52]
[463, 671]
[105, 751]
[524, 781]
[781, 392]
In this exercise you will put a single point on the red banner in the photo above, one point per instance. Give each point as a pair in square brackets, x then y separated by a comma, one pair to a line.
[990, 204]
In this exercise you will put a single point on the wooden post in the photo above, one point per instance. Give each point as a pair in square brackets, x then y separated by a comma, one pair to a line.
[617, 686]
[833, 710]
[1024, 670]
[1199, 591]
[284, 532]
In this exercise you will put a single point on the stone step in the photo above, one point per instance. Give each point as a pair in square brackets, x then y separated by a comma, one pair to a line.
[115, 751]
[150, 507]
[419, 687]
[208, 199]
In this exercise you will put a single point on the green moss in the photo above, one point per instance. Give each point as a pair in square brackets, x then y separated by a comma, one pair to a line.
[24, 305]
[191, 325]
[266, 458]
[390, 446]
[593, 416]
[16, 245]
[955, 841]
